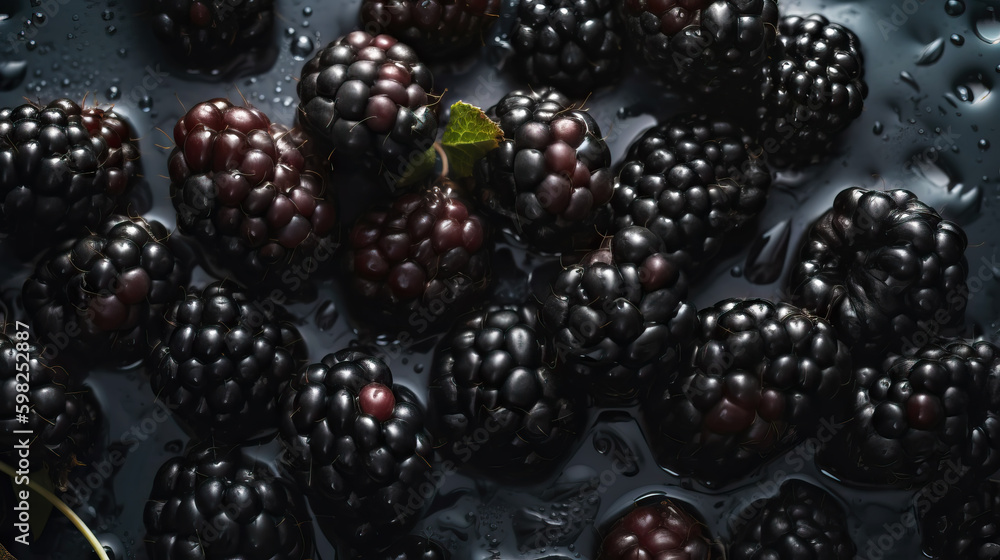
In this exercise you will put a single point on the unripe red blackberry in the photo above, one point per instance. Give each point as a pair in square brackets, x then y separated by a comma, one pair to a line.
[656, 531]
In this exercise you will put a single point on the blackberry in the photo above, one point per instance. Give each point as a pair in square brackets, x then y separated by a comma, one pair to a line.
[205, 32]
[491, 374]
[550, 178]
[63, 168]
[963, 525]
[759, 378]
[424, 252]
[619, 318]
[885, 268]
[357, 447]
[62, 415]
[436, 29]
[370, 95]
[249, 190]
[691, 181]
[96, 297]
[223, 361]
[221, 503]
[707, 46]
[918, 416]
[660, 530]
[572, 45]
[801, 523]
[811, 87]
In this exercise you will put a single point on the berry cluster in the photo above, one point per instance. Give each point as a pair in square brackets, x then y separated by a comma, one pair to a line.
[208, 32]
[437, 29]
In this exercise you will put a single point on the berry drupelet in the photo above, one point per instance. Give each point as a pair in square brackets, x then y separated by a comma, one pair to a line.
[759, 378]
[436, 29]
[99, 298]
[963, 525]
[222, 362]
[881, 265]
[207, 32]
[549, 179]
[572, 45]
[357, 448]
[63, 168]
[691, 181]
[660, 530]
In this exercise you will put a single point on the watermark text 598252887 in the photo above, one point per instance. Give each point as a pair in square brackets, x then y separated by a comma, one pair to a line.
[22, 409]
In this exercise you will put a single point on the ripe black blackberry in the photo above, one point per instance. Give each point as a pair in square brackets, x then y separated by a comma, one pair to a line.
[206, 32]
[811, 87]
[618, 319]
[964, 525]
[491, 373]
[357, 447]
[759, 378]
[437, 29]
[222, 363]
[691, 181]
[97, 298]
[63, 168]
[550, 178]
[917, 416]
[60, 412]
[425, 252]
[218, 503]
[370, 95]
[803, 522]
[249, 190]
[661, 530]
[572, 45]
[886, 270]
[707, 46]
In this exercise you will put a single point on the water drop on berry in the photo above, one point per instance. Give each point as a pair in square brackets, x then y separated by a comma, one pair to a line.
[377, 400]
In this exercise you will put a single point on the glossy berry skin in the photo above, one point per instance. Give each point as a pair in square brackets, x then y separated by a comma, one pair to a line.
[691, 181]
[63, 416]
[963, 525]
[572, 45]
[759, 378]
[803, 522]
[63, 169]
[104, 291]
[919, 415]
[879, 265]
[619, 318]
[656, 531]
[248, 190]
[705, 46]
[360, 474]
[436, 29]
[369, 95]
[549, 179]
[219, 503]
[205, 32]
[222, 362]
[492, 372]
[424, 251]
[811, 87]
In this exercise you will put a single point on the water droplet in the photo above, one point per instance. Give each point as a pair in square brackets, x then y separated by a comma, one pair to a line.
[305, 23]
[114, 92]
[69, 36]
[12, 73]
[954, 7]
[107, 15]
[32, 45]
[173, 446]
[326, 315]
[767, 254]
[987, 27]
[290, 31]
[957, 39]
[302, 47]
[418, 368]
[122, 53]
[146, 103]
[39, 17]
[909, 79]
[973, 89]
[736, 271]
[878, 128]
[931, 53]
[307, 11]
[984, 144]
[111, 30]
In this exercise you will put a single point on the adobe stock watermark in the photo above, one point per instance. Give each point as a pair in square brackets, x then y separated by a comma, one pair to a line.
[900, 15]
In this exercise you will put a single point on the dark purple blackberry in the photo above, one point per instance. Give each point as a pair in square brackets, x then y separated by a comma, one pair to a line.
[222, 363]
[63, 168]
[918, 416]
[550, 178]
[437, 29]
[424, 252]
[370, 95]
[357, 447]
[206, 32]
[249, 190]
[691, 181]
[886, 270]
[962, 525]
[657, 531]
[220, 503]
[759, 378]
[811, 87]
[803, 522]
[97, 298]
[572, 45]
[492, 375]
[618, 319]
[707, 46]
[60, 412]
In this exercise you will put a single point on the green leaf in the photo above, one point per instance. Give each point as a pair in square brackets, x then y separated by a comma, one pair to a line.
[41, 508]
[469, 136]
